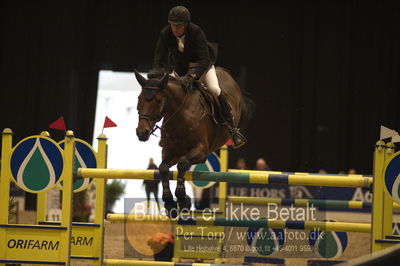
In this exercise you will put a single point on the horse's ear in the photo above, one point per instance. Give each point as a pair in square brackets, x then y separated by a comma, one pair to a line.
[142, 80]
[164, 81]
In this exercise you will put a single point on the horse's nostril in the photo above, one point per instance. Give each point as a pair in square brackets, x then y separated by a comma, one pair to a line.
[143, 135]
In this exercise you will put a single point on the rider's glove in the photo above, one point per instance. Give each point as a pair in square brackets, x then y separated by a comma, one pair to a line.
[187, 81]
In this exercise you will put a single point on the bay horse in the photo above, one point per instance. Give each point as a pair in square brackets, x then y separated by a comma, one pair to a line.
[188, 132]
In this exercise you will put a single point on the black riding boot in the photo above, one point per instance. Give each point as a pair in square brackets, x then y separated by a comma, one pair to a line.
[238, 139]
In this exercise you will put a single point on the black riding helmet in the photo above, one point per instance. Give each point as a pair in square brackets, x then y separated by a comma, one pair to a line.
[179, 15]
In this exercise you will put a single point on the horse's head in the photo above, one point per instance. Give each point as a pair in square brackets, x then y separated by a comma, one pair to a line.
[150, 105]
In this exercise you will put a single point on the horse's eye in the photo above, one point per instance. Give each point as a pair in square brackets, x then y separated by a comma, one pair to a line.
[158, 99]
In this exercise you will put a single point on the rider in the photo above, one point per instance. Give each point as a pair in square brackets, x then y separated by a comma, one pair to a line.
[184, 45]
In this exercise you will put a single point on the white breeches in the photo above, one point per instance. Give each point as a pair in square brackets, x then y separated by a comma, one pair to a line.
[211, 81]
[209, 78]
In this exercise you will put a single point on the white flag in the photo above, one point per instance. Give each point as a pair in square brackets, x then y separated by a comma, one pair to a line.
[387, 133]
[395, 139]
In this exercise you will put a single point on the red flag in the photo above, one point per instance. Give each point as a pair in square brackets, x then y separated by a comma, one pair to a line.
[58, 124]
[229, 142]
[109, 123]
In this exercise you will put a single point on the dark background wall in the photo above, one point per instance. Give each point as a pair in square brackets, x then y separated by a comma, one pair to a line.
[324, 74]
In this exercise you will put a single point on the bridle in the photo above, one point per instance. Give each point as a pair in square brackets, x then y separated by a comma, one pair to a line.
[151, 118]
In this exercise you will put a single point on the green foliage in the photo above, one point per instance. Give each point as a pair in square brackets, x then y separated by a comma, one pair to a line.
[114, 191]
[12, 212]
[81, 209]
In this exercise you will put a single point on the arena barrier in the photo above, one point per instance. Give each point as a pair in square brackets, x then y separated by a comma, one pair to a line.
[61, 234]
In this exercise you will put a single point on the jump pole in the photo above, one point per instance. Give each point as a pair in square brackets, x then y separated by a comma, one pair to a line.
[249, 178]
[293, 173]
[345, 204]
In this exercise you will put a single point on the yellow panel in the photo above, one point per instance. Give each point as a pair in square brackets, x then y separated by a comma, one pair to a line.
[33, 244]
[83, 241]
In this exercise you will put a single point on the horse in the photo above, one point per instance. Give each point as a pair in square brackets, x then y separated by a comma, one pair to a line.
[189, 133]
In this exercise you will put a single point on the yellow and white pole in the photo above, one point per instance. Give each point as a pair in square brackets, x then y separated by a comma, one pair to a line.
[387, 199]
[5, 174]
[41, 204]
[377, 214]
[100, 198]
[67, 197]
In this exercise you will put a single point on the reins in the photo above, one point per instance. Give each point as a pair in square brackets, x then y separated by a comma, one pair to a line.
[176, 111]
[147, 117]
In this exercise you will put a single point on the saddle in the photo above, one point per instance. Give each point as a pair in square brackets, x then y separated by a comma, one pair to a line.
[209, 101]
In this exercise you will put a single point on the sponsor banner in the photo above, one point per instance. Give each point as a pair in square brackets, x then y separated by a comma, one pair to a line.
[31, 243]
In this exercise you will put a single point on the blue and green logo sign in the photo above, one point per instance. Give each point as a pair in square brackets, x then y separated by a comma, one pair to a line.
[392, 178]
[265, 241]
[85, 157]
[37, 164]
[212, 164]
[328, 245]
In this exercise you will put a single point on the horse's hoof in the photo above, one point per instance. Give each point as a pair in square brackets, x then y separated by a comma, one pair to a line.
[180, 191]
[185, 204]
[167, 197]
[171, 208]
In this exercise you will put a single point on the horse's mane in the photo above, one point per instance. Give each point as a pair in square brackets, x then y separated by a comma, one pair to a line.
[174, 80]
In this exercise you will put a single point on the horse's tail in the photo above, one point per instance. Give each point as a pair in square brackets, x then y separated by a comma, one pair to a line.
[248, 107]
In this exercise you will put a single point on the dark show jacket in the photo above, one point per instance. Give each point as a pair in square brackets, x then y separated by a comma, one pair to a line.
[195, 50]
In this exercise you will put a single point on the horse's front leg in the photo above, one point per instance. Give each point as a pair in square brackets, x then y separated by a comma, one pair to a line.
[169, 203]
[184, 200]
[197, 154]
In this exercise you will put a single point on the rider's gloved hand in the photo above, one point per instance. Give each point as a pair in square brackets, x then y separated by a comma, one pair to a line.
[187, 81]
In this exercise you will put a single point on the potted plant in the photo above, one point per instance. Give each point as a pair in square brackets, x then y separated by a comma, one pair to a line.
[162, 246]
